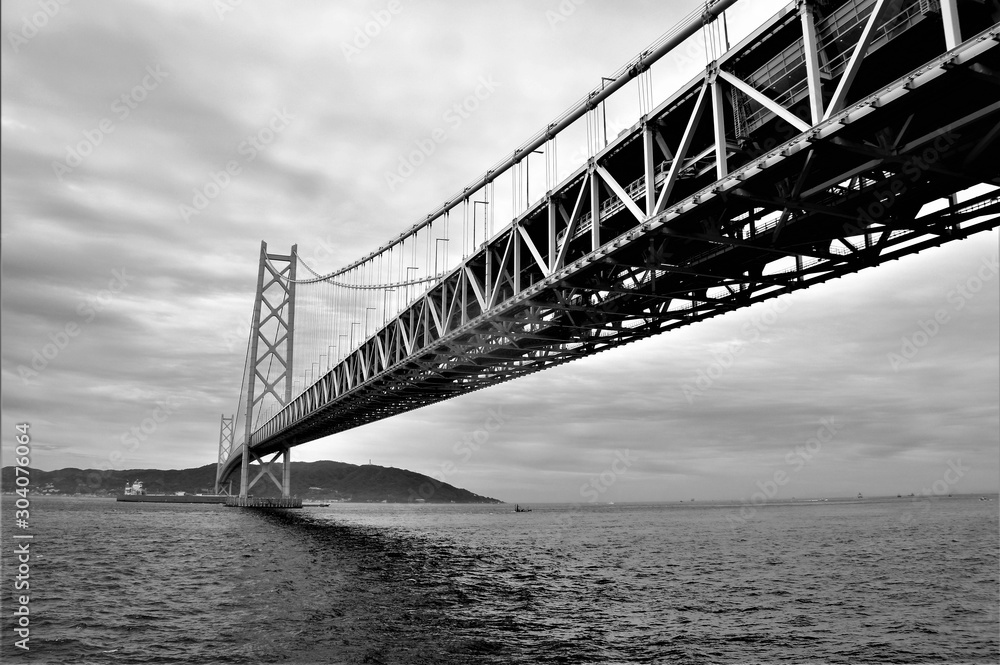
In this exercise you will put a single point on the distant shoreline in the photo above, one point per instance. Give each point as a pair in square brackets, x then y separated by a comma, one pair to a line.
[542, 505]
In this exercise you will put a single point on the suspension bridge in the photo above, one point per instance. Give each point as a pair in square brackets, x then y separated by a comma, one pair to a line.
[838, 135]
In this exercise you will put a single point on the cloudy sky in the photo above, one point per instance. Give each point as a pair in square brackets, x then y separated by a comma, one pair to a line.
[117, 303]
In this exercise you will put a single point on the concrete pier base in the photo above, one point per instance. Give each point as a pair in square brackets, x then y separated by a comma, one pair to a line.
[263, 502]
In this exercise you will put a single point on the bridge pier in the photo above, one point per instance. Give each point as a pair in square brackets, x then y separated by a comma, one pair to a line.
[245, 475]
[286, 473]
[263, 502]
[284, 484]
[246, 500]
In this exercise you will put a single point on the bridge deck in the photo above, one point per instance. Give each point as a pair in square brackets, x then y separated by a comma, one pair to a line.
[754, 196]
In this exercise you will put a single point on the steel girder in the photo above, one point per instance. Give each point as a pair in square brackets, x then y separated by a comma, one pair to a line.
[725, 195]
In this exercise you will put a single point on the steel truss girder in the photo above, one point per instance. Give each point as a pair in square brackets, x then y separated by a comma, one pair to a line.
[425, 355]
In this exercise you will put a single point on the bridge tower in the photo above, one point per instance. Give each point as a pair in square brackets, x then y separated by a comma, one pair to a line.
[227, 427]
[269, 370]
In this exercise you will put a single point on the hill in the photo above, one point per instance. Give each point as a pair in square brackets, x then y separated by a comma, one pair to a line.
[310, 480]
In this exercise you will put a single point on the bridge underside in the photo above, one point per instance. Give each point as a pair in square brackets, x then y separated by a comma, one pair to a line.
[780, 207]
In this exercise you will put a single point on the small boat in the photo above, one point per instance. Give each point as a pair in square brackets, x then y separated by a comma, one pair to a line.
[519, 509]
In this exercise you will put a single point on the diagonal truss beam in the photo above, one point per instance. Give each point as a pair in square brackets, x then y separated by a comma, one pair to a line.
[682, 150]
[857, 57]
[765, 101]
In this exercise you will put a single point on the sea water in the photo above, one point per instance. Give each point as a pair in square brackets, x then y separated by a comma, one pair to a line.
[871, 581]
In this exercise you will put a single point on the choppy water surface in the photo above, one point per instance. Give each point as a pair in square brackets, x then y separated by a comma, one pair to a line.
[840, 582]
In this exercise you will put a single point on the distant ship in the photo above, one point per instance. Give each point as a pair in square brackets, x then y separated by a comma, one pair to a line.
[136, 493]
[859, 495]
[519, 509]
[135, 489]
